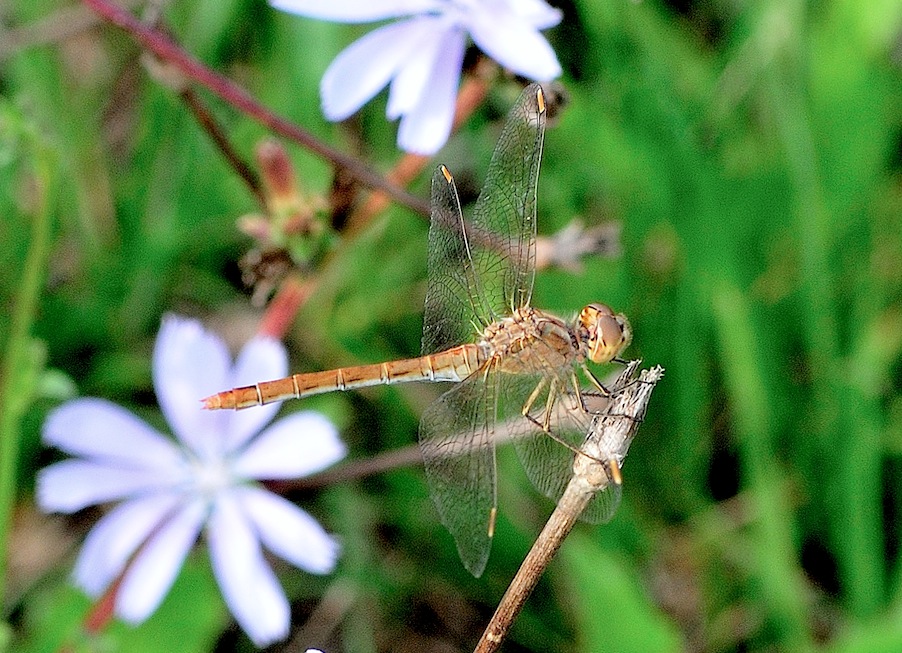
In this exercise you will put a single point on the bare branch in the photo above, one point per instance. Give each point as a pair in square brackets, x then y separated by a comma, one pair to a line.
[607, 444]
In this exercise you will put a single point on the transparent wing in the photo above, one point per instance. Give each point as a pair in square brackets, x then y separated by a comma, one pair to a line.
[483, 269]
[459, 456]
[603, 505]
[458, 434]
[457, 438]
[548, 458]
[503, 229]
[455, 304]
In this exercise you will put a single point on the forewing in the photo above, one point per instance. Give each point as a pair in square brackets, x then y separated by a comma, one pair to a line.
[455, 304]
[503, 229]
[459, 456]
[483, 269]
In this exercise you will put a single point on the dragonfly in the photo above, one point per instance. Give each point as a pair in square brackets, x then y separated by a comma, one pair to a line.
[520, 365]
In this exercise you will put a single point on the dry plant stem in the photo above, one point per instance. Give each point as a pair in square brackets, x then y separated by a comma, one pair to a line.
[383, 462]
[607, 443]
[163, 47]
[220, 139]
[471, 95]
[556, 529]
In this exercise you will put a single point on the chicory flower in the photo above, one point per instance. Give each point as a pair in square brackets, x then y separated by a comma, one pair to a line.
[421, 55]
[170, 490]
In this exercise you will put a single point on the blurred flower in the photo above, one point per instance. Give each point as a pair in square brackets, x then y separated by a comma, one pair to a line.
[169, 490]
[422, 54]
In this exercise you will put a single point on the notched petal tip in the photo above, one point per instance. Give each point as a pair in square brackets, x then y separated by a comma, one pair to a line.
[290, 532]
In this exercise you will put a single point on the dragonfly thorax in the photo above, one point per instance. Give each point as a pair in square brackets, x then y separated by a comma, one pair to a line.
[530, 340]
[604, 333]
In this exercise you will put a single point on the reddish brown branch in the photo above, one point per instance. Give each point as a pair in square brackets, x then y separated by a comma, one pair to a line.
[281, 311]
[471, 95]
[163, 47]
[102, 612]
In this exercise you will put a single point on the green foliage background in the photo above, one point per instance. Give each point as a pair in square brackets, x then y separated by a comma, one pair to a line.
[751, 152]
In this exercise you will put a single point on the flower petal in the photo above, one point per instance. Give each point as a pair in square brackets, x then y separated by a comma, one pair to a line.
[355, 11]
[413, 77]
[99, 429]
[294, 446]
[288, 531]
[249, 586]
[537, 13]
[155, 568]
[427, 126]
[261, 359]
[515, 45]
[364, 67]
[74, 484]
[114, 539]
[190, 363]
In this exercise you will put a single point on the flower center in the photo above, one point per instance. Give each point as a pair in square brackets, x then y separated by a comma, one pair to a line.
[210, 477]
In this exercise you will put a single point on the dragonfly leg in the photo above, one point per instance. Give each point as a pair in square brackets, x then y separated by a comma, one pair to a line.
[545, 426]
[561, 441]
[598, 384]
[603, 391]
[581, 403]
[549, 405]
[532, 398]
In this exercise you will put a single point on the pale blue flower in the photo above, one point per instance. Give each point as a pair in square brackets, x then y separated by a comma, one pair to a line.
[171, 490]
[422, 53]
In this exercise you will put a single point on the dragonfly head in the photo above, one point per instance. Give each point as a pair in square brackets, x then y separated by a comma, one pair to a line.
[605, 333]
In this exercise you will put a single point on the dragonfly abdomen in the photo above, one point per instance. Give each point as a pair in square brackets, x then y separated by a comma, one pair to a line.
[453, 364]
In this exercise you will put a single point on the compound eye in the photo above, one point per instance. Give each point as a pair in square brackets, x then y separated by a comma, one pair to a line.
[608, 333]
[609, 336]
